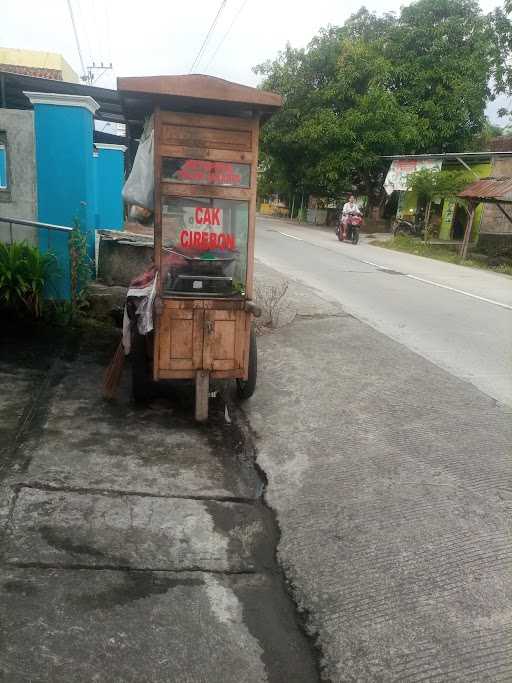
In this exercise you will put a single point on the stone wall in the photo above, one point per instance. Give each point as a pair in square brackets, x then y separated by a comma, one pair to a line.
[122, 256]
[495, 229]
[19, 200]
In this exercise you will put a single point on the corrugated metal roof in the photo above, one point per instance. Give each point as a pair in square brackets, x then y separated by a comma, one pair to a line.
[497, 189]
[12, 87]
[451, 156]
[501, 144]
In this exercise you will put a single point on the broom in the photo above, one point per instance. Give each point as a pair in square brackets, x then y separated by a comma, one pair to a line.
[113, 373]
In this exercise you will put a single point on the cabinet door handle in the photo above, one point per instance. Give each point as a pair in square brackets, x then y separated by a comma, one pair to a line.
[209, 326]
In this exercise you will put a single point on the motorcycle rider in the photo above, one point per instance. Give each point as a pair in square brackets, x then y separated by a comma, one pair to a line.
[349, 208]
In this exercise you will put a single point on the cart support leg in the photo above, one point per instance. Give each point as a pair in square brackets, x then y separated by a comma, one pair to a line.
[202, 389]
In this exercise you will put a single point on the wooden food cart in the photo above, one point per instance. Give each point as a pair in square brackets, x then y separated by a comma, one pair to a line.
[205, 165]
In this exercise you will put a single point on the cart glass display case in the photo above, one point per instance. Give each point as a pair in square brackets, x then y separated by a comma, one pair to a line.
[204, 246]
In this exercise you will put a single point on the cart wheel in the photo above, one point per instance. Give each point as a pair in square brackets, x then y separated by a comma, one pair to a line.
[141, 370]
[245, 387]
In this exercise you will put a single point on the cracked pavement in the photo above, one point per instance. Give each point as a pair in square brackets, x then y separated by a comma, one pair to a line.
[135, 545]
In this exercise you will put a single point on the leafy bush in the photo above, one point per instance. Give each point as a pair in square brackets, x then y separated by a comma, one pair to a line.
[81, 270]
[24, 274]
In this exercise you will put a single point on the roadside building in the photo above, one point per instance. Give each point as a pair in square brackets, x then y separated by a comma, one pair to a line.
[496, 230]
[37, 63]
[55, 166]
[273, 205]
[489, 230]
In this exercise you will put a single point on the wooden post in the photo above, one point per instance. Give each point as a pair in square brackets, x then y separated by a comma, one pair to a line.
[249, 278]
[293, 205]
[427, 220]
[202, 390]
[301, 206]
[467, 235]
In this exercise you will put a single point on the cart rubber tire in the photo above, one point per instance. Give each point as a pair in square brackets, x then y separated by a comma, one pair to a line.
[340, 233]
[245, 387]
[141, 371]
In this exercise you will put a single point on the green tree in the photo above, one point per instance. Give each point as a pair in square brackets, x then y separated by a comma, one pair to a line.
[379, 85]
[489, 131]
[443, 53]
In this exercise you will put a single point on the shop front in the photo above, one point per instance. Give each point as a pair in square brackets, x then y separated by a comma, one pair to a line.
[448, 217]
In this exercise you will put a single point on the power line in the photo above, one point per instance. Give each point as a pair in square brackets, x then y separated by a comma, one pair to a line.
[244, 3]
[108, 36]
[207, 37]
[109, 40]
[76, 38]
[86, 32]
[99, 28]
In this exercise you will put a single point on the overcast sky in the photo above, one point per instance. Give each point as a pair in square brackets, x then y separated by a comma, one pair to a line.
[164, 37]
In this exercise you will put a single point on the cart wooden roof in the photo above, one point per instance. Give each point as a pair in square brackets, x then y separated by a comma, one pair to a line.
[193, 92]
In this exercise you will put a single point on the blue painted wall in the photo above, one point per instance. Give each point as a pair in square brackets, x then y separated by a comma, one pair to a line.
[110, 179]
[65, 178]
[95, 169]
[3, 167]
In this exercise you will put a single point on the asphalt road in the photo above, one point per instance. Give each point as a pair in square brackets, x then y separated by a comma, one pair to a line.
[458, 318]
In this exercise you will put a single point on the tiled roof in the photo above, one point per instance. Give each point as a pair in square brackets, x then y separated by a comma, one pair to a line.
[53, 74]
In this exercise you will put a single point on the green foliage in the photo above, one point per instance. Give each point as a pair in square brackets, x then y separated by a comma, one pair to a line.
[412, 83]
[24, 274]
[80, 272]
[431, 183]
[489, 131]
[301, 215]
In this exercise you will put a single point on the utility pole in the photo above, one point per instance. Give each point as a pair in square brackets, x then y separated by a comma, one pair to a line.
[89, 76]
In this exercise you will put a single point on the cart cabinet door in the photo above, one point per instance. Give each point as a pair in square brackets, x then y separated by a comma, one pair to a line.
[181, 339]
[224, 340]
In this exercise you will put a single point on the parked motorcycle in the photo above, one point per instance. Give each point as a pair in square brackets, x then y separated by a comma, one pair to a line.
[414, 228]
[348, 228]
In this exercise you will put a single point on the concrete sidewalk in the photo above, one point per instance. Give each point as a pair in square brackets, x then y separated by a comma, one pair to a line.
[134, 544]
[392, 485]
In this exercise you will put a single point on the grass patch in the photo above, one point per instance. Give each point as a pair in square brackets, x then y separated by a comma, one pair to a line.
[438, 252]
[504, 268]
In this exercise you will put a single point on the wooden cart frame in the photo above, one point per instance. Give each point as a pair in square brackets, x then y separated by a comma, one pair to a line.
[202, 118]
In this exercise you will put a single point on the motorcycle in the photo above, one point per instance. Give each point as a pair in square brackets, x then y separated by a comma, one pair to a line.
[348, 228]
[414, 227]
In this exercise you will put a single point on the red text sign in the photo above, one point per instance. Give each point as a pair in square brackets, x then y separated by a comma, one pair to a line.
[202, 172]
[206, 215]
[195, 239]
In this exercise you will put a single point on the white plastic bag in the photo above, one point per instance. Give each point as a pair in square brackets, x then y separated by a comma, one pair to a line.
[140, 185]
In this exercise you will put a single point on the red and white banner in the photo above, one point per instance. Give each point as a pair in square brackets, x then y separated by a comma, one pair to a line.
[400, 169]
